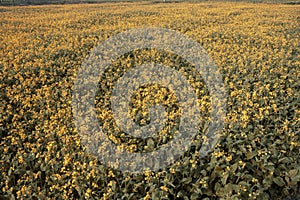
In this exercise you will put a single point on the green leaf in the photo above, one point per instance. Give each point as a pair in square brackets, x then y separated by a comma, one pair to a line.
[186, 180]
[295, 179]
[279, 181]
[250, 155]
[194, 196]
[234, 167]
[224, 179]
[293, 173]
[150, 143]
[228, 189]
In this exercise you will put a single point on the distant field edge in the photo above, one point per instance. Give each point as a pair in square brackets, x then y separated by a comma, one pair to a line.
[45, 2]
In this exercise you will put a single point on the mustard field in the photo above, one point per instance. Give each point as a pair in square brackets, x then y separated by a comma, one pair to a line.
[255, 48]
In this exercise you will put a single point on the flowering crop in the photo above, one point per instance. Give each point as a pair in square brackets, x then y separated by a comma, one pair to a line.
[256, 48]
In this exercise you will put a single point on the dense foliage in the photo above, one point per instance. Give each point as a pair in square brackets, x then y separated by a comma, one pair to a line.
[256, 48]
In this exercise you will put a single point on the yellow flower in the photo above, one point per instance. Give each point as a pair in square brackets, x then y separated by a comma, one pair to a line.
[88, 193]
[20, 159]
[165, 188]
[229, 158]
